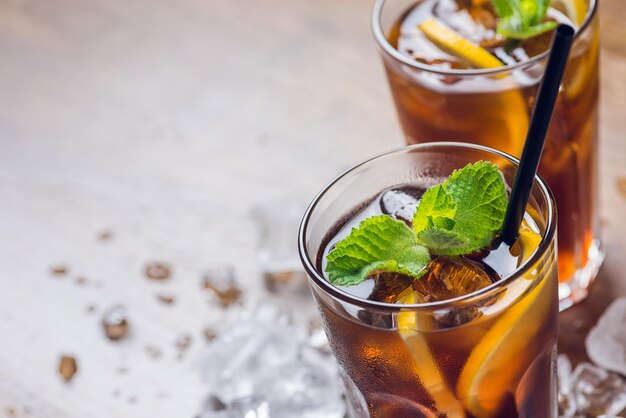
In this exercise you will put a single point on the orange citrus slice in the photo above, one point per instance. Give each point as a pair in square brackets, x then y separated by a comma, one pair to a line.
[492, 362]
[513, 121]
[451, 41]
[424, 363]
[513, 126]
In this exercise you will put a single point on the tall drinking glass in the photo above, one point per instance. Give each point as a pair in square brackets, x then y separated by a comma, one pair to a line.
[492, 107]
[488, 354]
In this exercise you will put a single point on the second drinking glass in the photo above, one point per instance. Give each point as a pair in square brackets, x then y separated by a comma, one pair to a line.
[492, 107]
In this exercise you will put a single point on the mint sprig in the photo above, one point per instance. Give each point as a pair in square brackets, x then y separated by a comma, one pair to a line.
[460, 216]
[522, 19]
[463, 214]
[381, 243]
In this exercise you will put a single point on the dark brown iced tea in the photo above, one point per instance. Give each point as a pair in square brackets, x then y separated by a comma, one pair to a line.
[486, 360]
[435, 103]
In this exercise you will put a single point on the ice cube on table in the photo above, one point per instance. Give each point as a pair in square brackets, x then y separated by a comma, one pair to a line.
[222, 285]
[564, 373]
[263, 365]
[606, 342]
[597, 391]
[277, 221]
[565, 398]
[232, 361]
[246, 407]
[249, 407]
[300, 389]
[316, 337]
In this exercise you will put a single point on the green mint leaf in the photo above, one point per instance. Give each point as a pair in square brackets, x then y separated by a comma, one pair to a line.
[444, 241]
[380, 243]
[507, 8]
[522, 19]
[525, 33]
[463, 214]
[436, 208]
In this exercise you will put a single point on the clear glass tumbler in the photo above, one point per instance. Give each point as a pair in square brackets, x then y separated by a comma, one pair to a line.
[488, 354]
[492, 107]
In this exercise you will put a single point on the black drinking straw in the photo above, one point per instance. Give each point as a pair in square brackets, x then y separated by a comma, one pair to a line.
[536, 137]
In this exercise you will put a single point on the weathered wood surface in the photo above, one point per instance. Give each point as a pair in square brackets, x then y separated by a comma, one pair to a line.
[165, 123]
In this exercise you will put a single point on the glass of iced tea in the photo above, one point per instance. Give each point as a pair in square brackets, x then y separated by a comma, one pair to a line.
[455, 77]
[475, 334]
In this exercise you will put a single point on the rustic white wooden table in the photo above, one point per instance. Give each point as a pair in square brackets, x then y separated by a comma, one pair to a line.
[164, 123]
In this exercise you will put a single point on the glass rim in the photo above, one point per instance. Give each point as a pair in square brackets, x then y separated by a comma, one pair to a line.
[384, 44]
[325, 285]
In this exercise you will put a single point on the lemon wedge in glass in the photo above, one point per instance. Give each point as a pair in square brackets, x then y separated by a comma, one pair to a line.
[491, 367]
[425, 364]
[451, 41]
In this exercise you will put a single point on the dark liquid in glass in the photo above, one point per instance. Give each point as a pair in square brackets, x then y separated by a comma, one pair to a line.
[487, 360]
[495, 111]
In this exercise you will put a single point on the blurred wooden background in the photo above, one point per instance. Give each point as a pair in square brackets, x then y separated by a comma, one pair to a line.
[164, 123]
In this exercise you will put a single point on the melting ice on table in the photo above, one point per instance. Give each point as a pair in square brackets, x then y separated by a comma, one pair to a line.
[263, 366]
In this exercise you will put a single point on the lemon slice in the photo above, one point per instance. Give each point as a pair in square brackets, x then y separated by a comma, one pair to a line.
[576, 10]
[424, 363]
[529, 240]
[456, 44]
[511, 118]
[514, 122]
[491, 365]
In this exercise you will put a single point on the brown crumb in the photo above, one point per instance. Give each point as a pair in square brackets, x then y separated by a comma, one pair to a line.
[290, 280]
[226, 297]
[166, 299]
[10, 412]
[209, 334]
[184, 342]
[157, 271]
[81, 281]
[67, 367]
[621, 186]
[153, 352]
[274, 280]
[59, 270]
[105, 235]
[222, 284]
[115, 323]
